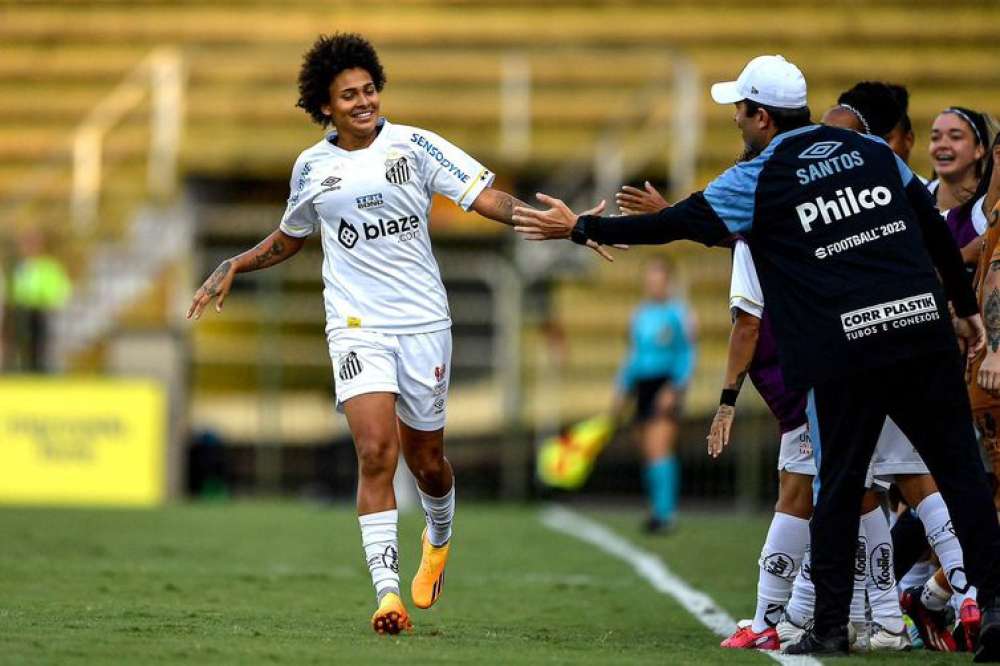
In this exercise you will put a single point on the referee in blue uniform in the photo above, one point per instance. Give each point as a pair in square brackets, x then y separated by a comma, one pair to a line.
[848, 247]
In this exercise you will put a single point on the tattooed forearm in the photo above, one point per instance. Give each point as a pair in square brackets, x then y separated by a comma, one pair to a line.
[265, 258]
[991, 318]
[738, 383]
[498, 206]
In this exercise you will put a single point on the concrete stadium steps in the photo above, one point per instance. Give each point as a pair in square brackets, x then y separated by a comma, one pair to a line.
[494, 24]
[62, 56]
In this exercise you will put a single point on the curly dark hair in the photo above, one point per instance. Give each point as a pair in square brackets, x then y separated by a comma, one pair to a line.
[329, 56]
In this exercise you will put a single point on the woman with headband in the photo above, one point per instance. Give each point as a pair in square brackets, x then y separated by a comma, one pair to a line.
[958, 151]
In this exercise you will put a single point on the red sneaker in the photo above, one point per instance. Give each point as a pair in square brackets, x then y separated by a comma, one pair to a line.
[932, 625]
[970, 619]
[746, 639]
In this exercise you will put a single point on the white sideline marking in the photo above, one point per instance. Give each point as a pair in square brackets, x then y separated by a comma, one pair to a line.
[655, 572]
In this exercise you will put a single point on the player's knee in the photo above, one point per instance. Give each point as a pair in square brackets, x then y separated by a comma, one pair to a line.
[376, 455]
[429, 468]
[795, 495]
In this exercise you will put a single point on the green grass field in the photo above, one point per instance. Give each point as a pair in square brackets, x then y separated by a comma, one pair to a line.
[249, 583]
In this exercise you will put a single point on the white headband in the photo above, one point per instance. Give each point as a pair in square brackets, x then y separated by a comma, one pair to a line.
[964, 116]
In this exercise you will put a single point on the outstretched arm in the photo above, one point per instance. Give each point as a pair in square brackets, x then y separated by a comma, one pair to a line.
[690, 219]
[272, 250]
[742, 345]
[498, 205]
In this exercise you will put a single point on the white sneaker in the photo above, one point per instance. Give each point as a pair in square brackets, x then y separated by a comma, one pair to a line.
[789, 632]
[883, 639]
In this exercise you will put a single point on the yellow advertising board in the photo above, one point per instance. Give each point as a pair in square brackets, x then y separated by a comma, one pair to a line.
[82, 441]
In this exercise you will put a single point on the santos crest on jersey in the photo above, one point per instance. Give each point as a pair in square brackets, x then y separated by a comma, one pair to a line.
[372, 207]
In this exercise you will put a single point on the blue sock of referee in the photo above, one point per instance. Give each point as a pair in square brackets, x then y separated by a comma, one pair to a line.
[662, 483]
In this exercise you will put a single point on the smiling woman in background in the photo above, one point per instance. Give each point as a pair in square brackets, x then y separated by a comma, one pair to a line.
[958, 151]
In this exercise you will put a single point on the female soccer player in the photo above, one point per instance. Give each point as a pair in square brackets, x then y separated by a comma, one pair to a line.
[367, 187]
[958, 147]
[657, 370]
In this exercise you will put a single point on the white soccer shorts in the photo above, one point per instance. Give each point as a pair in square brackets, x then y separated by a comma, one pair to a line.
[796, 452]
[416, 367]
[895, 455]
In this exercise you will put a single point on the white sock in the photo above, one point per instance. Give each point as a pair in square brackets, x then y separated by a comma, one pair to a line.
[379, 538]
[779, 560]
[439, 512]
[881, 582]
[859, 600]
[917, 575]
[803, 602]
[933, 513]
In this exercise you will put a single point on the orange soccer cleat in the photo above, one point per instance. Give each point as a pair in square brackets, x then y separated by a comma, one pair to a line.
[429, 581]
[391, 616]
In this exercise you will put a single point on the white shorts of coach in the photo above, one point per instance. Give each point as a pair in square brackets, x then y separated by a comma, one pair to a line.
[416, 367]
[796, 452]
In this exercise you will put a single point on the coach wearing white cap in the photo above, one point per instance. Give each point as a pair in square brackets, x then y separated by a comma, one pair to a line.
[849, 248]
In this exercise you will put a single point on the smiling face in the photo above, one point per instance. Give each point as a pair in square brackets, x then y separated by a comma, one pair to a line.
[354, 103]
[953, 148]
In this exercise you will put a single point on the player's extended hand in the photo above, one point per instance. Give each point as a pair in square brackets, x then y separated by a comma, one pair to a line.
[971, 334]
[989, 374]
[722, 426]
[216, 286]
[555, 223]
[633, 201]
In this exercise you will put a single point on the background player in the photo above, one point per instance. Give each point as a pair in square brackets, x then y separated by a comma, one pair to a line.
[367, 186]
[656, 371]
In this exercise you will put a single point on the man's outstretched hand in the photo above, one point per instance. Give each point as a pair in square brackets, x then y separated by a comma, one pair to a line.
[555, 223]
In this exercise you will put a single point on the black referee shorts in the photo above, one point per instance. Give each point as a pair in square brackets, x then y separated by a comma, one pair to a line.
[926, 397]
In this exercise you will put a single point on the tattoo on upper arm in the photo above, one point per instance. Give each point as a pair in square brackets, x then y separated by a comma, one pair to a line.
[991, 318]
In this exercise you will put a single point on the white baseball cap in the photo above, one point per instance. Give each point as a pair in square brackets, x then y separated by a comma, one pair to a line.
[769, 80]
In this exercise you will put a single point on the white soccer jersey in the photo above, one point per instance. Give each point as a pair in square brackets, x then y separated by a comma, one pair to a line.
[372, 207]
[744, 290]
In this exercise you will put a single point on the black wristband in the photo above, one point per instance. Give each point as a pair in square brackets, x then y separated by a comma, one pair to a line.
[579, 233]
[728, 397]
